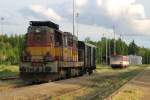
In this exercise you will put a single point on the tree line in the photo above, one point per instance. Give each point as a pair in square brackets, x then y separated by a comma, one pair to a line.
[10, 49]
[118, 47]
[12, 46]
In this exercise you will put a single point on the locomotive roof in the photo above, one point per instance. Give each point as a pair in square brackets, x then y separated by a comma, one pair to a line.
[45, 23]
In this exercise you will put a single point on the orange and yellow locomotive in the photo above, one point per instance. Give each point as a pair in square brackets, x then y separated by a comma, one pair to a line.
[51, 54]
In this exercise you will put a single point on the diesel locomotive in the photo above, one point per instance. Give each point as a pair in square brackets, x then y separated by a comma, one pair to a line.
[50, 54]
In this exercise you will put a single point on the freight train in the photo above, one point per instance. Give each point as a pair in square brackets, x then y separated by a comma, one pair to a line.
[50, 54]
[119, 61]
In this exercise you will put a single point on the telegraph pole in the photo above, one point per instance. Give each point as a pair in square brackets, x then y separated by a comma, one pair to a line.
[2, 19]
[121, 44]
[106, 51]
[101, 56]
[147, 59]
[114, 40]
[109, 50]
[121, 38]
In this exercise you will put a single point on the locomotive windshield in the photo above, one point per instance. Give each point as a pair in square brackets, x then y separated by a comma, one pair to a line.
[37, 35]
[119, 58]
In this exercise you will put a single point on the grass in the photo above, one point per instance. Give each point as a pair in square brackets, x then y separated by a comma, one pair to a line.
[8, 71]
[129, 93]
[105, 82]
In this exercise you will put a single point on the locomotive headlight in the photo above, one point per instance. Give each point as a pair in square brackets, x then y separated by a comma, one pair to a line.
[26, 56]
[48, 57]
[37, 30]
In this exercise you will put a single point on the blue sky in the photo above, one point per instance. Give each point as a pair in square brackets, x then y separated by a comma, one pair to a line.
[96, 17]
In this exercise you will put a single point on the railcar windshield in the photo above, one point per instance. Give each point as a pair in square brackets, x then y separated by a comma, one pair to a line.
[120, 58]
[117, 58]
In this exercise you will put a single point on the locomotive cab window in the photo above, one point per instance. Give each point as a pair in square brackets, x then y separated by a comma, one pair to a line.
[58, 38]
[65, 40]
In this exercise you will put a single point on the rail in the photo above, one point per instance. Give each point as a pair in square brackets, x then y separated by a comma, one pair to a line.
[8, 78]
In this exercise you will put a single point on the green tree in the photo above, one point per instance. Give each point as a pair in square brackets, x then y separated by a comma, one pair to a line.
[133, 48]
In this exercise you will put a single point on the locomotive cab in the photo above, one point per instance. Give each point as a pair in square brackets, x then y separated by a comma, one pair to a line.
[39, 56]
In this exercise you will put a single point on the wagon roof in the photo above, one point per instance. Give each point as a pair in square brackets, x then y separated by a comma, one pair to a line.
[91, 45]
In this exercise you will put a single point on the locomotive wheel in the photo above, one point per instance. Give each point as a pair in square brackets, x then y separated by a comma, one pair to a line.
[81, 72]
[78, 72]
[73, 72]
[68, 73]
[63, 74]
[90, 72]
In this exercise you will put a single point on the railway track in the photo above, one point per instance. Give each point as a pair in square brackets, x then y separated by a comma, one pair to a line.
[8, 78]
[14, 82]
[68, 88]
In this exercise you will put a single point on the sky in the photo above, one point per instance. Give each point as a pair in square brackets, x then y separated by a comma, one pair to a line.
[97, 18]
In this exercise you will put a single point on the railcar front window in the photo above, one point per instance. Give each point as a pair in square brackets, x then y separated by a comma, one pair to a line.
[117, 58]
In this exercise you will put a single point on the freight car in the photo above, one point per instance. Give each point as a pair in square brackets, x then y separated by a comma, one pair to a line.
[50, 54]
[119, 61]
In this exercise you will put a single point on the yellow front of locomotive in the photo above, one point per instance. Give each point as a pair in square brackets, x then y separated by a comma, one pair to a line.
[40, 43]
[39, 56]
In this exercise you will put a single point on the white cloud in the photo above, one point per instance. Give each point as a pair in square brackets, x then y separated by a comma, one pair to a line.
[136, 11]
[120, 8]
[81, 3]
[124, 13]
[94, 32]
[99, 2]
[127, 13]
[141, 26]
[47, 12]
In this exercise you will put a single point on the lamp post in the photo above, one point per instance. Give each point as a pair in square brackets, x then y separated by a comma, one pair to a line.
[77, 22]
[73, 17]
